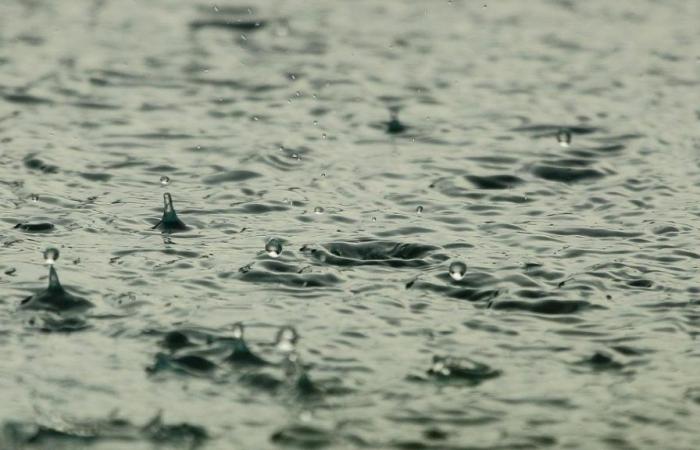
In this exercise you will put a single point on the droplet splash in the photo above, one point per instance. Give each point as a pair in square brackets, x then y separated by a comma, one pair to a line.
[51, 255]
[273, 247]
[164, 180]
[419, 210]
[564, 137]
[457, 270]
[318, 210]
[34, 198]
[287, 338]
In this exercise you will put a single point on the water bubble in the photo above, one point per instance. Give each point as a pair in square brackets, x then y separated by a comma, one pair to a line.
[34, 198]
[419, 209]
[273, 247]
[457, 270]
[51, 255]
[318, 210]
[164, 180]
[564, 137]
[287, 338]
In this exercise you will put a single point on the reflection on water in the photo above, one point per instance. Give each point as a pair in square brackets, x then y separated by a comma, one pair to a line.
[444, 225]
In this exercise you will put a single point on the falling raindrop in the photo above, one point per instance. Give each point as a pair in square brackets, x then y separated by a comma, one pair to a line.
[318, 210]
[457, 270]
[419, 209]
[51, 255]
[273, 247]
[564, 137]
[164, 180]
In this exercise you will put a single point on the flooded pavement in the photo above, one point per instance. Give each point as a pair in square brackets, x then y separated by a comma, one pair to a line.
[442, 225]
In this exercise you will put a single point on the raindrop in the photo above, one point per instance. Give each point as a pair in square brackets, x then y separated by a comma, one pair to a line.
[323, 136]
[419, 209]
[564, 137]
[34, 198]
[315, 123]
[273, 247]
[457, 270]
[374, 219]
[287, 338]
[164, 180]
[318, 210]
[51, 255]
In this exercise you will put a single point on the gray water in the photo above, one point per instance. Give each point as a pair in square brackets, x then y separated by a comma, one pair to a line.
[575, 325]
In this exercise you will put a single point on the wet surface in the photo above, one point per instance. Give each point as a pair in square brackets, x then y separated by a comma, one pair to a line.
[480, 218]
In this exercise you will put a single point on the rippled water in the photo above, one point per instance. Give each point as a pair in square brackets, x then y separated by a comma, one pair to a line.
[332, 161]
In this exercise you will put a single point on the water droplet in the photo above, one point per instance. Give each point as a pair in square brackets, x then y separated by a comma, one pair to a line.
[164, 180]
[51, 255]
[273, 247]
[34, 198]
[564, 137]
[374, 219]
[216, 8]
[419, 209]
[323, 174]
[244, 37]
[323, 136]
[318, 210]
[238, 330]
[287, 338]
[457, 270]
[315, 123]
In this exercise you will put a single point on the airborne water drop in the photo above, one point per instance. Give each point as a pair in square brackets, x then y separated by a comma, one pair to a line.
[457, 270]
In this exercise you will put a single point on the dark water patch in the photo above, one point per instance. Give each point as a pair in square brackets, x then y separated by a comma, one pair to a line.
[228, 24]
[464, 371]
[566, 174]
[26, 99]
[96, 176]
[495, 181]
[37, 227]
[547, 307]
[601, 361]
[380, 253]
[36, 435]
[261, 208]
[303, 437]
[33, 163]
[233, 176]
